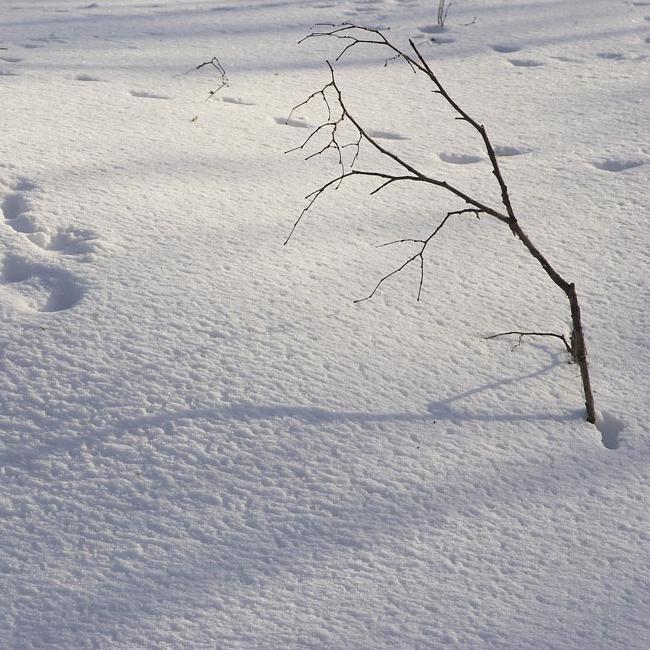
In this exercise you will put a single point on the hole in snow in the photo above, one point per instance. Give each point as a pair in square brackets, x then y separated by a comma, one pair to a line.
[441, 40]
[505, 48]
[610, 427]
[386, 135]
[39, 287]
[505, 150]
[525, 63]
[614, 56]
[459, 158]
[432, 29]
[147, 95]
[617, 165]
[296, 122]
[237, 100]
[13, 205]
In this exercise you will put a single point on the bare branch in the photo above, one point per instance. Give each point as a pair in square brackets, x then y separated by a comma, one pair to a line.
[352, 35]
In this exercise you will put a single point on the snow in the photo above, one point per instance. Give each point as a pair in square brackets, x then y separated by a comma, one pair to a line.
[204, 442]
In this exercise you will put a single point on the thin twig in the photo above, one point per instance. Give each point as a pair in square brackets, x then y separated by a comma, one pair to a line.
[522, 334]
[419, 255]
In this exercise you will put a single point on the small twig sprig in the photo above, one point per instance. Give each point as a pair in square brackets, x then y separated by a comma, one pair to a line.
[223, 82]
[522, 334]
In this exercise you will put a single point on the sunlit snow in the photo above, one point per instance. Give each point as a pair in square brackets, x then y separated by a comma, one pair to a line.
[206, 443]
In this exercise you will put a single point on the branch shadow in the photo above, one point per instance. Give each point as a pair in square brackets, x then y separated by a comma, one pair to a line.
[438, 410]
[444, 409]
[222, 562]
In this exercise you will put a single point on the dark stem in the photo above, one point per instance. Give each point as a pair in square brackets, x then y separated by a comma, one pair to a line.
[579, 348]
[578, 344]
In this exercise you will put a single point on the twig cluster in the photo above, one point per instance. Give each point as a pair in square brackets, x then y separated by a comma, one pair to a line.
[443, 11]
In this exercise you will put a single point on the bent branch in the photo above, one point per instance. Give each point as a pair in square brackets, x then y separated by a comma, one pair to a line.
[338, 114]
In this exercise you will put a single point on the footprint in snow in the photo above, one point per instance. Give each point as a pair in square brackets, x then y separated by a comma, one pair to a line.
[237, 100]
[10, 59]
[386, 135]
[47, 39]
[14, 206]
[459, 158]
[147, 95]
[68, 241]
[612, 56]
[8, 73]
[610, 428]
[504, 151]
[18, 215]
[568, 59]
[432, 29]
[32, 286]
[86, 77]
[617, 165]
[525, 63]
[296, 122]
[442, 40]
[361, 10]
[505, 48]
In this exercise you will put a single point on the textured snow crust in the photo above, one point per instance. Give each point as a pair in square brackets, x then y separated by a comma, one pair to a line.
[204, 443]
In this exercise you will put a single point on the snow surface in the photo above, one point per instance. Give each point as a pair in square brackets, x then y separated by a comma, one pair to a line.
[204, 441]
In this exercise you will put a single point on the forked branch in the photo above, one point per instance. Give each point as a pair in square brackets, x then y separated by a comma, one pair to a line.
[419, 255]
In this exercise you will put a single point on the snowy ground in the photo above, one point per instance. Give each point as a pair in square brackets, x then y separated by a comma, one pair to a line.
[204, 443]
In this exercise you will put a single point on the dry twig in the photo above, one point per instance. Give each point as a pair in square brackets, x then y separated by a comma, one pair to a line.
[223, 83]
